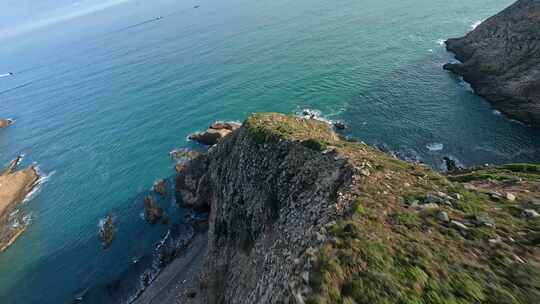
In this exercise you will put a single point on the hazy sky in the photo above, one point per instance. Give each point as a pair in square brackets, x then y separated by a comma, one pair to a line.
[22, 16]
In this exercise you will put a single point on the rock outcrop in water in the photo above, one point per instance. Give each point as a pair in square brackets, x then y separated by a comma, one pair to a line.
[215, 132]
[106, 232]
[153, 213]
[14, 186]
[160, 187]
[298, 215]
[501, 60]
[4, 123]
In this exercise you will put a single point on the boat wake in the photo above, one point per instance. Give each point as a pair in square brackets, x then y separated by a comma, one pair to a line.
[6, 75]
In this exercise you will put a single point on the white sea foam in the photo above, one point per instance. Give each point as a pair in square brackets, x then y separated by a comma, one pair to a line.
[435, 147]
[476, 24]
[441, 42]
[313, 114]
[467, 86]
[496, 112]
[43, 178]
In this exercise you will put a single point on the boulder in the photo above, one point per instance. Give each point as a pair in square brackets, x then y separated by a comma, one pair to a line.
[530, 213]
[106, 232]
[511, 197]
[339, 125]
[443, 217]
[4, 123]
[192, 187]
[215, 132]
[231, 126]
[160, 187]
[152, 211]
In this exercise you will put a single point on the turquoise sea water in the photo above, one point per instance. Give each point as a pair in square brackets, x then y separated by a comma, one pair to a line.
[100, 100]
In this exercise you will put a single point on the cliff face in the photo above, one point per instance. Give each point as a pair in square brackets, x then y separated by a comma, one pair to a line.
[501, 60]
[298, 215]
[270, 201]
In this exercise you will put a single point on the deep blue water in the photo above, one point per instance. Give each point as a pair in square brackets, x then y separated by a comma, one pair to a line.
[101, 99]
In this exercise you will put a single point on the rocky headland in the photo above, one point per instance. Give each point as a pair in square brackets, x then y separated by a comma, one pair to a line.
[501, 60]
[214, 133]
[14, 186]
[300, 215]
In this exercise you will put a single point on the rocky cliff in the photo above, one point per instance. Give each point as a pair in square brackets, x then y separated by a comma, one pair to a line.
[501, 60]
[14, 186]
[298, 215]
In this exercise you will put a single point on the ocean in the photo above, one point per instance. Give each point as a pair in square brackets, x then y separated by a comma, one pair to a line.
[100, 99]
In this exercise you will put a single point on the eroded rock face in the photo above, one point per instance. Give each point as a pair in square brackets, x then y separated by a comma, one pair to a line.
[192, 189]
[217, 131]
[14, 186]
[501, 60]
[268, 205]
[4, 123]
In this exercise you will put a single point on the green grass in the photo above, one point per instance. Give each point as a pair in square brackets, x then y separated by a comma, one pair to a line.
[271, 127]
[384, 251]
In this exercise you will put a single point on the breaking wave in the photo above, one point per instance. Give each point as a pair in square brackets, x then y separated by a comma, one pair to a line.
[476, 24]
[435, 147]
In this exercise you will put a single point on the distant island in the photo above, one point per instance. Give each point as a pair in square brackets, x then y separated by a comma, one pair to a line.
[501, 60]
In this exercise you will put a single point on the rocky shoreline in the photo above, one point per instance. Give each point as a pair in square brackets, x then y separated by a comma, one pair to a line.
[500, 59]
[293, 207]
[15, 185]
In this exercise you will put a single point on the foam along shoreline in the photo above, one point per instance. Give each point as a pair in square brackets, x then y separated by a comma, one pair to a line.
[15, 185]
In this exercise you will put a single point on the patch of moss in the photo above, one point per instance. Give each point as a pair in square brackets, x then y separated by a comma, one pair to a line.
[315, 144]
[268, 127]
[523, 168]
[359, 209]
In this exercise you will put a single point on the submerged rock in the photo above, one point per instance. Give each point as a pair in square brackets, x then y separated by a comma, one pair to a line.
[500, 60]
[4, 123]
[14, 187]
[106, 232]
